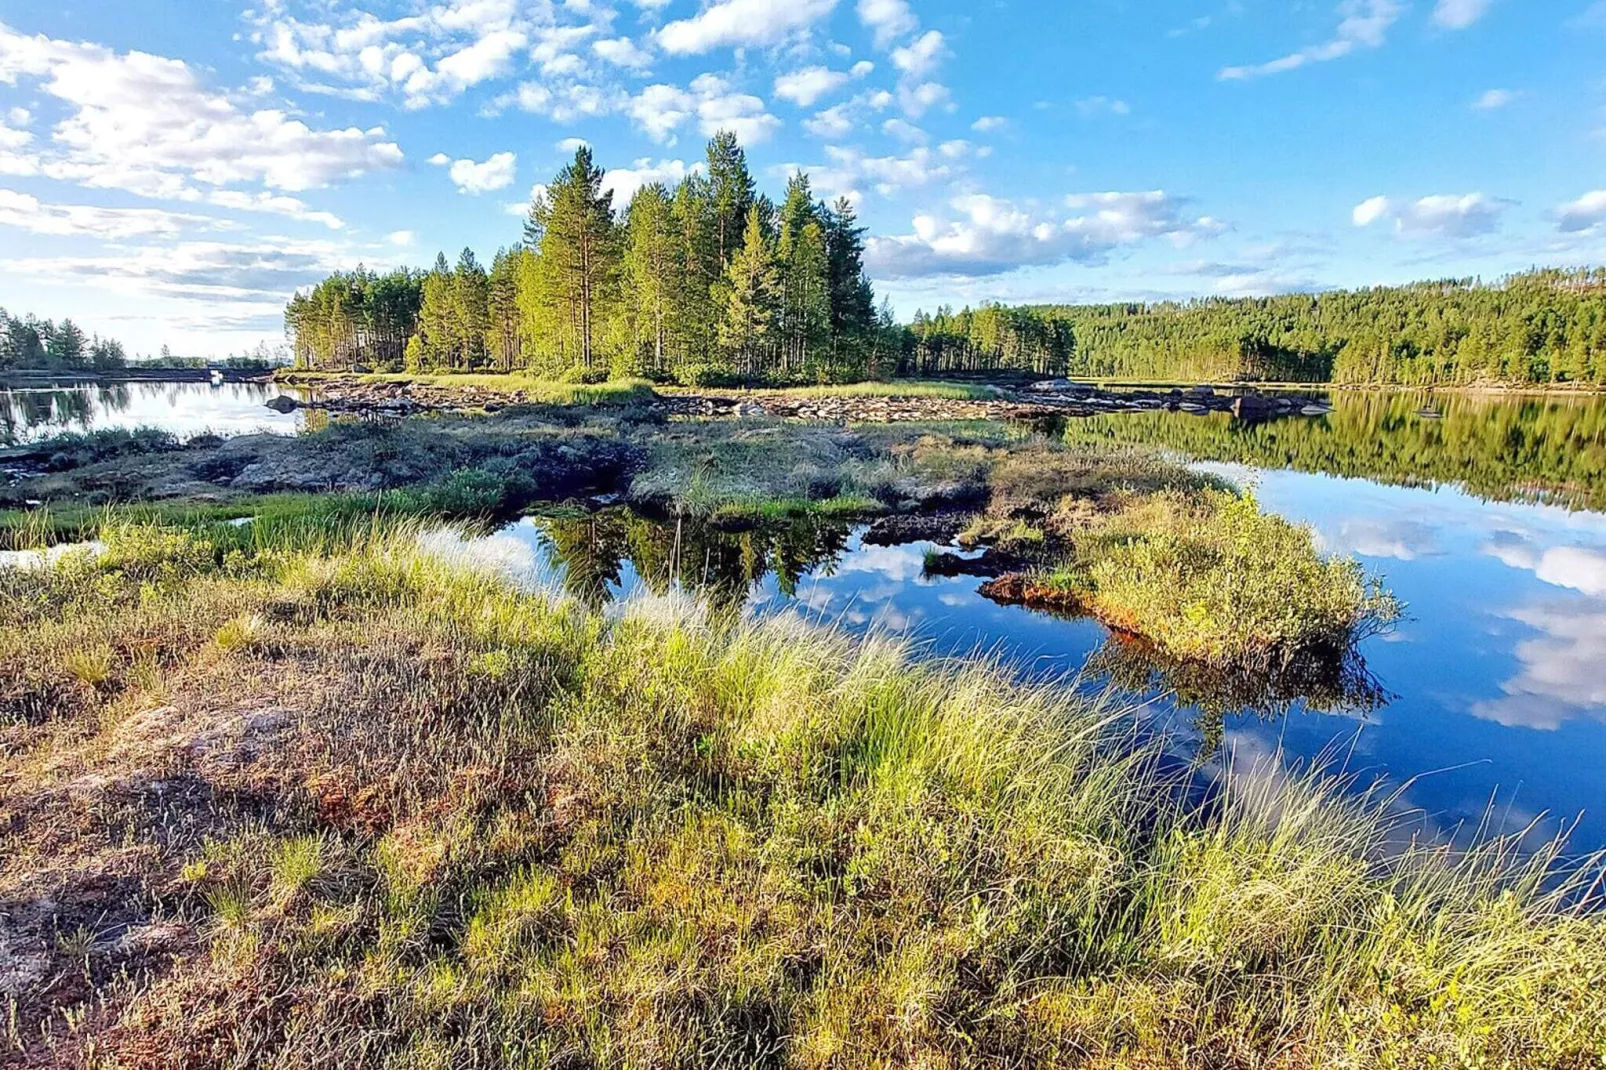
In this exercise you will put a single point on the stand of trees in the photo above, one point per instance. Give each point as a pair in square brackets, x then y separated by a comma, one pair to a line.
[706, 282]
[1539, 328]
[990, 340]
[30, 343]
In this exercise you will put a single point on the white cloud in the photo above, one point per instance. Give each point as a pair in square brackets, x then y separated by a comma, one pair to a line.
[982, 235]
[1494, 98]
[146, 124]
[25, 212]
[897, 128]
[1560, 677]
[833, 122]
[736, 23]
[1459, 14]
[1363, 24]
[987, 124]
[429, 57]
[570, 145]
[1091, 106]
[476, 178]
[1586, 213]
[887, 20]
[804, 87]
[623, 182]
[916, 100]
[921, 56]
[623, 52]
[402, 239]
[273, 204]
[1438, 216]
[660, 111]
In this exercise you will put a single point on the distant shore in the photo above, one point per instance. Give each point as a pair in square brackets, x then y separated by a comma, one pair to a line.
[31, 377]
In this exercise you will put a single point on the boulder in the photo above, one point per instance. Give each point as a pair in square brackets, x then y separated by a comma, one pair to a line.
[284, 403]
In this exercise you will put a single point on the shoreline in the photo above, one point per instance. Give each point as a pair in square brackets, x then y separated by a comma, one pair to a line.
[28, 379]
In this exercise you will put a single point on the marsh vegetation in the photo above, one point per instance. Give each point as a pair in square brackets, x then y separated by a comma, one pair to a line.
[341, 801]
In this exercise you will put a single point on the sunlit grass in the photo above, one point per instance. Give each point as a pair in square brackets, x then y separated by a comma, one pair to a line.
[507, 830]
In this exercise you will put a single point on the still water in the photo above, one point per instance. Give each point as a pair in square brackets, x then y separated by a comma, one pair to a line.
[1488, 702]
[28, 414]
[1486, 515]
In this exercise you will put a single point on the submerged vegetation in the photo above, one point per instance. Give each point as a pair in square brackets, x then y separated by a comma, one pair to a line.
[347, 803]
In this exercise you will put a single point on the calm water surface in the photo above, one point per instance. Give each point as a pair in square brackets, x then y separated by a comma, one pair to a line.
[1490, 698]
[187, 409]
[1487, 516]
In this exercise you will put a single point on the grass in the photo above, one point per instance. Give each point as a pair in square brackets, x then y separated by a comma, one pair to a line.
[532, 389]
[1210, 578]
[413, 817]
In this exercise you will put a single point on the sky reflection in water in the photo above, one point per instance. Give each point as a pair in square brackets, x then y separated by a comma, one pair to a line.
[28, 414]
[1495, 683]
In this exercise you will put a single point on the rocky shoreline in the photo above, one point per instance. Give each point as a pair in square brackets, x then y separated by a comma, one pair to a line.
[1051, 398]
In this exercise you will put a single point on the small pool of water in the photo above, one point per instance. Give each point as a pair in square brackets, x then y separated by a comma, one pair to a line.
[1490, 699]
[28, 414]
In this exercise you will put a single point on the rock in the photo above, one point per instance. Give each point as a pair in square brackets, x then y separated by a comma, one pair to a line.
[284, 403]
[1051, 386]
[1200, 392]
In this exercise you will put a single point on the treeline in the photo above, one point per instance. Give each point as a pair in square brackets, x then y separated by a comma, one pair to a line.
[27, 342]
[704, 282]
[1542, 327]
[989, 340]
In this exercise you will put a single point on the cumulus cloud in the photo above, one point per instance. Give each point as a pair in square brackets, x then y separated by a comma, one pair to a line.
[981, 235]
[1362, 24]
[736, 23]
[987, 124]
[1491, 99]
[1438, 216]
[623, 52]
[887, 20]
[922, 55]
[1459, 14]
[1586, 213]
[147, 125]
[623, 182]
[477, 178]
[1560, 678]
[661, 110]
[806, 86]
[427, 57]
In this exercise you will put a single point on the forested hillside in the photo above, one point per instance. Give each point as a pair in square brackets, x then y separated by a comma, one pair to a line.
[1539, 328]
[704, 282]
[1543, 327]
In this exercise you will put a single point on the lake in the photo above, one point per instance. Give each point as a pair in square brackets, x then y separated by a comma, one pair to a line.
[187, 409]
[1485, 515]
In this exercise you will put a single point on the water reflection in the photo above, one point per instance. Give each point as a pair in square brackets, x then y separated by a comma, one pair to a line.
[28, 414]
[1498, 447]
[1492, 689]
[824, 568]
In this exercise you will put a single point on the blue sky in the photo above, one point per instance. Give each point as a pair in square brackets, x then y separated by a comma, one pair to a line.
[171, 171]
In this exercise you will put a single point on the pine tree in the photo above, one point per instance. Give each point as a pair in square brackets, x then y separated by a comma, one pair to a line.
[653, 271]
[852, 298]
[750, 293]
[502, 308]
[573, 228]
[731, 190]
[805, 313]
[470, 293]
[437, 318]
[694, 318]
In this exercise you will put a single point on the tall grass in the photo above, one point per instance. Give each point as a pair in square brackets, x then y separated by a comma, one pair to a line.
[509, 832]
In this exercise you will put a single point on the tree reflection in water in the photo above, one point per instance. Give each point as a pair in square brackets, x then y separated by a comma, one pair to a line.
[594, 552]
[721, 565]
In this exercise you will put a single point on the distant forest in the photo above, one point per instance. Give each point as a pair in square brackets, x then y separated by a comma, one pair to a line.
[1543, 327]
[30, 343]
[707, 282]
